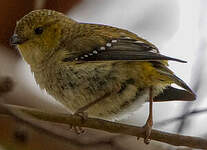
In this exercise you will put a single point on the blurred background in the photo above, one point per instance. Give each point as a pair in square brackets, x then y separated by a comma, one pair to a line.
[177, 27]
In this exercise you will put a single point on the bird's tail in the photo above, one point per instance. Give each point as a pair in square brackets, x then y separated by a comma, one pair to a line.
[163, 70]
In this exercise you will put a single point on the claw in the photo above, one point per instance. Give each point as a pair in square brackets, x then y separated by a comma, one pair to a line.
[78, 130]
[84, 116]
[148, 129]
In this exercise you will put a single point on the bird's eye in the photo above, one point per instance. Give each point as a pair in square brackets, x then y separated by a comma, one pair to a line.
[38, 30]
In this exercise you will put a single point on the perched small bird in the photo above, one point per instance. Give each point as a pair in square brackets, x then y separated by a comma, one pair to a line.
[102, 70]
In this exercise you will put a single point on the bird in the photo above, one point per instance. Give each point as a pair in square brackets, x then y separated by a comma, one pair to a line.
[94, 69]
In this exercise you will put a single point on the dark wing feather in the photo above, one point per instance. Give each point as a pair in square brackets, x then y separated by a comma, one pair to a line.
[126, 49]
[162, 69]
[174, 94]
[117, 54]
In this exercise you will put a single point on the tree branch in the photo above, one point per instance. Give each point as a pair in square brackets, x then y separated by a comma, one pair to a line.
[191, 113]
[170, 138]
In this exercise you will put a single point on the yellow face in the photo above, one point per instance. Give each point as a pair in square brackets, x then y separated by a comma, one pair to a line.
[38, 34]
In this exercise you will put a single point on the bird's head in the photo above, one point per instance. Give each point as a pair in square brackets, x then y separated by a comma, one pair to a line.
[39, 33]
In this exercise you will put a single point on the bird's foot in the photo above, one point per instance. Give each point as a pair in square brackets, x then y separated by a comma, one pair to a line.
[148, 128]
[78, 130]
[84, 116]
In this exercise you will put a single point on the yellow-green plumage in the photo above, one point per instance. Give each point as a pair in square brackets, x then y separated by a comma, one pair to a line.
[78, 63]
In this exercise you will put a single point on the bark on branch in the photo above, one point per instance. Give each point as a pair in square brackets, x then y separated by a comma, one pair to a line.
[170, 138]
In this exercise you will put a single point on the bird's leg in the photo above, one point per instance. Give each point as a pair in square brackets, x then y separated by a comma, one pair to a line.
[149, 123]
[84, 115]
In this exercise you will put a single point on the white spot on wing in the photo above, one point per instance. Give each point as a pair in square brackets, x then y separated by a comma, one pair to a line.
[153, 51]
[108, 44]
[127, 37]
[114, 41]
[141, 42]
[95, 52]
[102, 48]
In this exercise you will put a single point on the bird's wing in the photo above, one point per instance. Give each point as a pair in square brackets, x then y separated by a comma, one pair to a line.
[106, 43]
[162, 69]
[122, 48]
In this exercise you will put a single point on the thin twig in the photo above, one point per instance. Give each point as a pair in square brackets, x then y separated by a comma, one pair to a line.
[170, 138]
[168, 121]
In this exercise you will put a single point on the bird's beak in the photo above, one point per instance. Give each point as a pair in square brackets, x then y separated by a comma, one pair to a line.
[15, 40]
